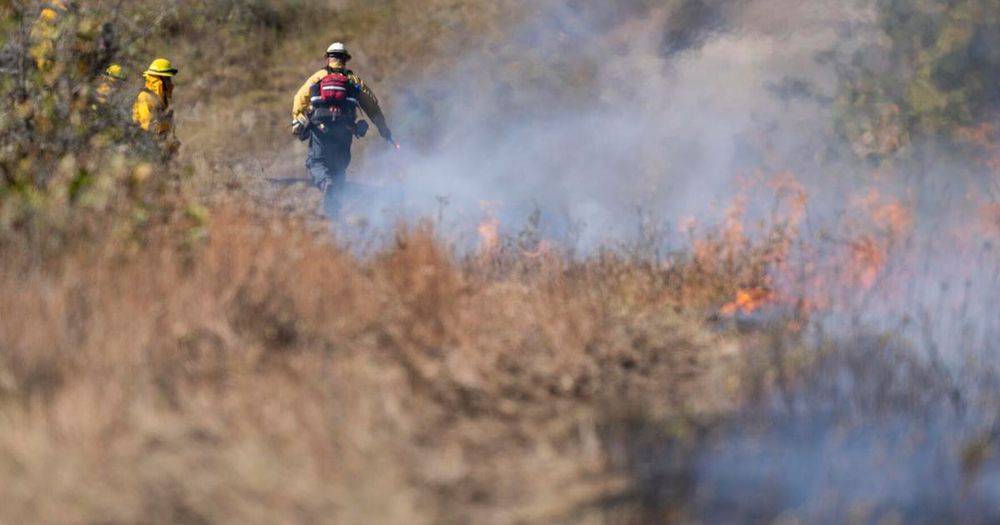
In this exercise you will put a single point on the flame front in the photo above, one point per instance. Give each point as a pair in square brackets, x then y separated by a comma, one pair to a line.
[788, 269]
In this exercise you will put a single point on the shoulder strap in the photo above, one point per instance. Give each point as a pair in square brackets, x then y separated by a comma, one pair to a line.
[342, 70]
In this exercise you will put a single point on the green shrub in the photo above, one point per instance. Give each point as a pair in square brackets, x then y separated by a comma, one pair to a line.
[64, 153]
[935, 73]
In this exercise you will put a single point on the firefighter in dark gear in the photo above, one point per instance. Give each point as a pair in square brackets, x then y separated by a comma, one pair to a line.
[152, 110]
[324, 112]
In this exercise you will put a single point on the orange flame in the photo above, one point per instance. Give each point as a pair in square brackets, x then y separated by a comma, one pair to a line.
[489, 229]
[870, 251]
[748, 301]
[885, 224]
[868, 258]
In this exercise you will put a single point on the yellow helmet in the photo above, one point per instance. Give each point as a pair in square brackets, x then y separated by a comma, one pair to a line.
[48, 15]
[116, 72]
[161, 67]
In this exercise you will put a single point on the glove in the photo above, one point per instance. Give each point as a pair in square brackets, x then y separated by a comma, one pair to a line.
[360, 128]
[300, 128]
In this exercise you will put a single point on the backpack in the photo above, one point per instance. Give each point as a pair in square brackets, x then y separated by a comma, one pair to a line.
[333, 96]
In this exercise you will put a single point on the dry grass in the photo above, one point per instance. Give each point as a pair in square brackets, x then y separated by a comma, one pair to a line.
[253, 372]
[262, 375]
[247, 369]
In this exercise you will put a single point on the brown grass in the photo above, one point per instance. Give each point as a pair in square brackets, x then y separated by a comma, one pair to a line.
[155, 367]
[262, 375]
[158, 366]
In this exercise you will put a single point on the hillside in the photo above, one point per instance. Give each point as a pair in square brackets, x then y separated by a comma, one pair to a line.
[689, 261]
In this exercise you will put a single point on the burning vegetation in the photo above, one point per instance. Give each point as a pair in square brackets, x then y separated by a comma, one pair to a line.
[184, 343]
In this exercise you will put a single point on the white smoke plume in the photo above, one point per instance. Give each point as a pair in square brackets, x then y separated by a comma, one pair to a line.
[588, 115]
[588, 120]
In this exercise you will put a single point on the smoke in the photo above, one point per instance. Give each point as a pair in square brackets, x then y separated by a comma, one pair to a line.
[589, 120]
[823, 471]
[596, 118]
[590, 113]
[871, 436]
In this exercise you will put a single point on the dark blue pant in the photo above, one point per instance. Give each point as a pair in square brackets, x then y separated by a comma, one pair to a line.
[329, 157]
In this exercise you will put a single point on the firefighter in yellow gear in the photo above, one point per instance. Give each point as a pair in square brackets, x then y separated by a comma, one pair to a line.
[45, 34]
[337, 58]
[324, 112]
[152, 110]
[111, 81]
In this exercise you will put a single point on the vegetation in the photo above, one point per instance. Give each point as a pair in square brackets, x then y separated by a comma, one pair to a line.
[932, 74]
[178, 345]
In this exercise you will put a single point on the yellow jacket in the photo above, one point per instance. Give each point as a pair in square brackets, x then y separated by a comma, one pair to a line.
[44, 35]
[366, 99]
[152, 111]
[106, 88]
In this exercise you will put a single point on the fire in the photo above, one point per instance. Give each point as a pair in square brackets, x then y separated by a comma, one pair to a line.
[806, 272]
[733, 232]
[869, 252]
[748, 301]
[489, 229]
[880, 225]
[895, 218]
[793, 195]
[868, 258]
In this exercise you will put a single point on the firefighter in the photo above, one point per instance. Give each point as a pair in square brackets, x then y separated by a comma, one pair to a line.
[111, 82]
[324, 112]
[66, 32]
[45, 34]
[152, 110]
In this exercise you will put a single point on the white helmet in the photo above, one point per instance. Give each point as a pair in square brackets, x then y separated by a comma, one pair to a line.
[338, 49]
